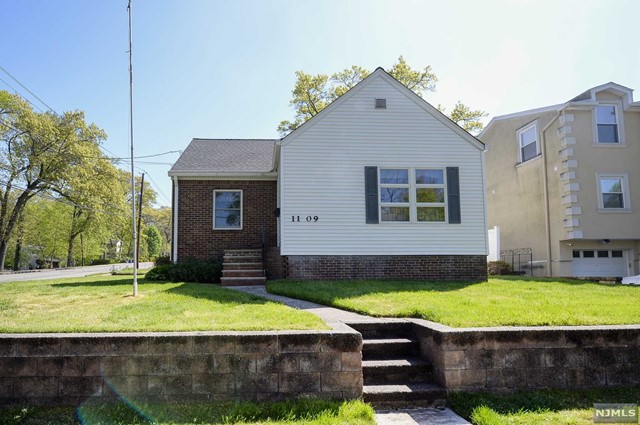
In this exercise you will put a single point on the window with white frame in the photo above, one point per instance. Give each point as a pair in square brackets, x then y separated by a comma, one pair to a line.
[614, 194]
[394, 194]
[607, 124]
[412, 194]
[227, 209]
[528, 142]
[430, 194]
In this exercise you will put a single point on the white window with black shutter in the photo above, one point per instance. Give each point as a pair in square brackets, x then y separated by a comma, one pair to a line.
[415, 195]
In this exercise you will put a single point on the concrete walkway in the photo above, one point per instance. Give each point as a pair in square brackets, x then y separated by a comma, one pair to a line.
[333, 315]
[328, 314]
[419, 417]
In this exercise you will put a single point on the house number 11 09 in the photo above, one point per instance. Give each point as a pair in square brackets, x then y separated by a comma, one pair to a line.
[309, 219]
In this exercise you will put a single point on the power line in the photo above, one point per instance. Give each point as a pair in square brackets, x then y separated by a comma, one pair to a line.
[30, 92]
[156, 185]
[155, 163]
[129, 158]
[55, 185]
[19, 94]
[65, 201]
[41, 101]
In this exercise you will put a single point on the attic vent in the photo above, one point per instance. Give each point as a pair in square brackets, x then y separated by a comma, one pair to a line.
[381, 103]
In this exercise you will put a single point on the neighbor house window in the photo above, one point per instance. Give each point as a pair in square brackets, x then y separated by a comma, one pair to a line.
[227, 209]
[528, 142]
[607, 124]
[408, 194]
[614, 193]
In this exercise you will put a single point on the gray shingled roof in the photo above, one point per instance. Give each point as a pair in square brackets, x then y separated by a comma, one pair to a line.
[226, 156]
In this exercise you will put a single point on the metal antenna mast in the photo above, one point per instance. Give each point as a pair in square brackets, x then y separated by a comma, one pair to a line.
[133, 186]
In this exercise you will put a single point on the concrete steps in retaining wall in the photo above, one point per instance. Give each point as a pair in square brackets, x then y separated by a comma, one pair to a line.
[242, 267]
[394, 373]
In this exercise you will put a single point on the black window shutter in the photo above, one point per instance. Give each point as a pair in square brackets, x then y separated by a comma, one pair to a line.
[371, 194]
[453, 195]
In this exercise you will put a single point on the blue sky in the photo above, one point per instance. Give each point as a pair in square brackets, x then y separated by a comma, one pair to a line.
[207, 68]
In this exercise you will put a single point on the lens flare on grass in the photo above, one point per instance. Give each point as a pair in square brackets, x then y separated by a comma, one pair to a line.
[93, 412]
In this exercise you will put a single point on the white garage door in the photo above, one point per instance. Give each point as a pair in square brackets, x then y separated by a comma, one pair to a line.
[599, 263]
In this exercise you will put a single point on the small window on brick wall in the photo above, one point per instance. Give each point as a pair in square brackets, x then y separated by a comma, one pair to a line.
[227, 209]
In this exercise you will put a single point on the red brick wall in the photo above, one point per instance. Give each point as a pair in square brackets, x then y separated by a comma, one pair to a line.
[432, 267]
[196, 236]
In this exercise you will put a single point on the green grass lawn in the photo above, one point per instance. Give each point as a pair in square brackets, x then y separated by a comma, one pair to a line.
[309, 412]
[105, 304]
[503, 301]
[549, 407]
[128, 271]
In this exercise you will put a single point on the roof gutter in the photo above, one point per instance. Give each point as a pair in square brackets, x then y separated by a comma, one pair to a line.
[210, 174]
[174, 241]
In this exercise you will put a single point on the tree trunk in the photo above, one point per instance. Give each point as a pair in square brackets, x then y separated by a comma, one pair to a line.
[3, 253]
[70, 260]
[72, 236]
[16, 258]
[20, 238]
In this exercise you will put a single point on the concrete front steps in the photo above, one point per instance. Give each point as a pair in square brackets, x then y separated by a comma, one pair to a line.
[395, 375]
[242, 267]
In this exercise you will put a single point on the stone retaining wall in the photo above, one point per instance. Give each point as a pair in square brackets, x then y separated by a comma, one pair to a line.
[531, 357]
[195, 366]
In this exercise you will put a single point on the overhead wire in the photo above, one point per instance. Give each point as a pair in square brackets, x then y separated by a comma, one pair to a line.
[114, 157]
[129, 158]
[41, 101]
[45, 195]
[29, 91]
[156, 185]
[54, 184]
[20, 94]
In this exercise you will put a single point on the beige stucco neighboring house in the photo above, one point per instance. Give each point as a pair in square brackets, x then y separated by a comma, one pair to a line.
[564, 180]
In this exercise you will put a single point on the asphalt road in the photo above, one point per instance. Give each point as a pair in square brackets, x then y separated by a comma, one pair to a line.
[64, 273]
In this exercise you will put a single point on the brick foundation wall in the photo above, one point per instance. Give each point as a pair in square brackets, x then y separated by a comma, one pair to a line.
[499, 359]
[196, 236]
[180, 367]
[436, 267]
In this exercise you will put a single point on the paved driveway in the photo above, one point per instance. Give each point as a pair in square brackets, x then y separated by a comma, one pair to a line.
[64, 273]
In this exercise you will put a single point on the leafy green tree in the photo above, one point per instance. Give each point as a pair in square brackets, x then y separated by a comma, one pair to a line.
[466, 117]
[161, 218]
[44, 229]
[97, 195]
[312, 93]
[154, 241]
[37, 152]
[148, 203]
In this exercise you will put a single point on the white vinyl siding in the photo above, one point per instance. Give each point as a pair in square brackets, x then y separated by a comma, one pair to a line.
[322, 174]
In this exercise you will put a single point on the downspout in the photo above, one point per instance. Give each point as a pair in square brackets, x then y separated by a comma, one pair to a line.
[174, 243]
[545, 190]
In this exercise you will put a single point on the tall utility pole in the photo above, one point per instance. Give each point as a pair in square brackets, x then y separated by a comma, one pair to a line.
[133, 185]
[139, 221]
